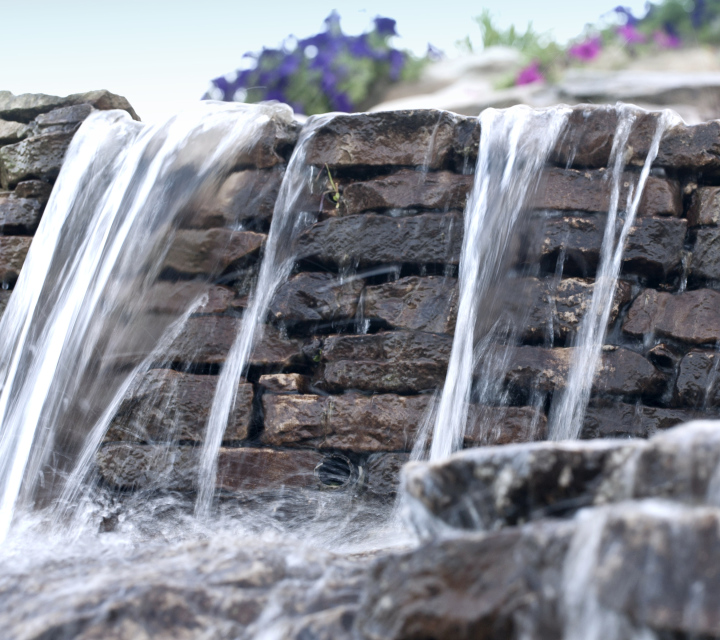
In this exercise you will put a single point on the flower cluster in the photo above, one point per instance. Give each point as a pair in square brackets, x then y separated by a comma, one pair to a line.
[330, 71]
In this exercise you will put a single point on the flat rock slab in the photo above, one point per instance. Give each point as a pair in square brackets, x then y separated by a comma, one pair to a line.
[206, 340]
[494, 487]
[211, 251]
[13, 250]
[316, 297]
[690, 316]
[169, 406]
[624, 420]
[423, 138]
[415, 303]
[409, 190]
[19, 216]
[38, 157]
[370, 239]
[394, 362]
[139, 466]
[590, 190]
[27, 106]
[350, 422]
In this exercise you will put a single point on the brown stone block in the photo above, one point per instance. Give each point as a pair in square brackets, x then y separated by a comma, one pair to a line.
[176, 297]
[705, 207]
[369, 239]
[13, 250]
[416, 303]
[488, 425]
[698, 381]
[348, 422]
[690, 316]
[210, 251]
[623, 420]
[33, 189]
[168, 406]
[705, 261]
[250, 469]
[407, 189]
[285, 383]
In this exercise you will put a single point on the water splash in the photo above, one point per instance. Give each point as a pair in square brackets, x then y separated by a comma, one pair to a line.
[514, 146]
[566, 417]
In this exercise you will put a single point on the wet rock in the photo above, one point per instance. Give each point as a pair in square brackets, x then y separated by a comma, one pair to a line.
[211, 251]
[503, 585]
[489, 425]
[285, 383]
[206, 340]
[366, 240]
[38, 157]
[350, 421]
[495, 487]
[383, 473]
[176, 297]
[4, 298]
[316, 297]
[621, 371]
[705, 263]
[139, 466]
[705, 207]
[690, 316]
[423, 138]
[274, 142]
[694, 148]
[168, 406]
[245, 196]
[13, 250]
[11, 132]
[25, 107]
[393, 362]
[573, 190]
[19, 215]
[415, 303]
[33, 189]
[62, 120]
[407, 189]
[698, 383]
[653, 249]
[623, 420]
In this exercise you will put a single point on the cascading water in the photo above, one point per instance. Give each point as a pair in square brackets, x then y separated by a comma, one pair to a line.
[69, 332]
[514, 147]
[566, 417]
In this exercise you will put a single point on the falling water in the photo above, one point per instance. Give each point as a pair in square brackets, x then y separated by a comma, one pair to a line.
[275, 269]
[514, 147]
[566, 418]
[69, 331]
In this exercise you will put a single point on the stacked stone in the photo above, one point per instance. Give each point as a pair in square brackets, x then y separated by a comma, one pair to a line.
[35, 132]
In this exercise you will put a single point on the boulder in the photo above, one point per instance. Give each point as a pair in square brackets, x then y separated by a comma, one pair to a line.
[424, 138]
[38, 157]
[415, 303]
[139, 466]
[705, 207]
[11, 132]
[211, 251]
[206, 340]
[698, 383]
[245, 197]
[350, 422]
[705, 261]
[27, 106]
[654, 246]
[316, 297]
[366, 240]
[393, 362]
[690, 316]
[13, 250]
[168, 406]
[494, 487]
[590, 190]
[406, 189]
[19, 215]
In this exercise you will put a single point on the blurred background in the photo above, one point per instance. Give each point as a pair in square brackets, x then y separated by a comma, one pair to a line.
[325, 56]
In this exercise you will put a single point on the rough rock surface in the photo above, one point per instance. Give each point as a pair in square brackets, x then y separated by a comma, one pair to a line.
[37, 157]
[19, 215]
[705, 207]
[351, 421]
[165, 405]
[622, 419]
[489, 425]
[13, 250]
[698, 383]
[705, 263]
[27, 106]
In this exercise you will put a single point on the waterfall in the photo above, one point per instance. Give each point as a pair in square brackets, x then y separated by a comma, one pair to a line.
[514, 146]
[68, 340]
[566, 417]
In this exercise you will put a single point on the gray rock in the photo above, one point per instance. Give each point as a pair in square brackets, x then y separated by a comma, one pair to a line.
[623, 420]
[383, 474]
[19, 215]
[175, 298]
[698, 383]
[38, 157]
[705, 207]
[285, 383]
[33, 189]
[11, 132]
[27, 106]
[705, 263]
[4, 298]
[13, 250]
[491, 425]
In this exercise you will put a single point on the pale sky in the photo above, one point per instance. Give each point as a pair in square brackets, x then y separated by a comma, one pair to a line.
[161, 54]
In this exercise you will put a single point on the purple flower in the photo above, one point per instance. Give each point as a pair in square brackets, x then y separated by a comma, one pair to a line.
[340, 101]
[530, 74]
[275, 94]
[385, 26]
[629, 17]
[397, 62]
[630, 34]
[697, 16]
[332, 23]
[360, 48]
[666, 40]
[586, 50]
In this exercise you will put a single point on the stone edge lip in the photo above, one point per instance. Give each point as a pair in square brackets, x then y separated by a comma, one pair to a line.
[27, 106]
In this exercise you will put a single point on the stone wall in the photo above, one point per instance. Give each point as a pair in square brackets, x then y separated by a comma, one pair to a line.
[359, 337]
